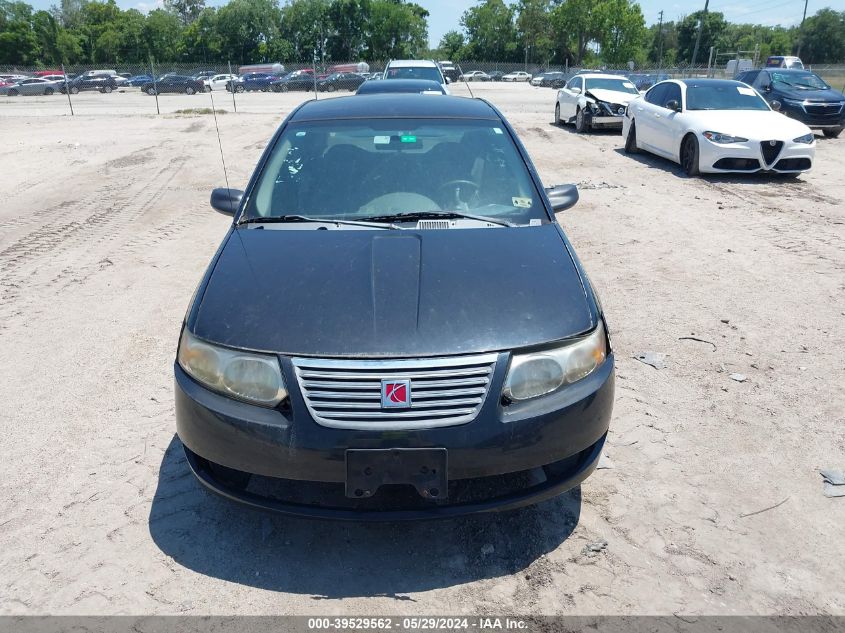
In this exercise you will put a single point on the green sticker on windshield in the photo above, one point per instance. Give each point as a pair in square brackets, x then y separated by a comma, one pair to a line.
[524, 203]
[407, 138]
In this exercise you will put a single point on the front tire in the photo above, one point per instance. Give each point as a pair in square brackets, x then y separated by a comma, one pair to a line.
[151, 91]
[581, 124]
[107, 89]
[330, 88]
[631, 140]
[239, 89]
[13, 93]
[557, 113]
[189, 90]
[49, 91]
[834, 133]
[74, 90]
[690, 156]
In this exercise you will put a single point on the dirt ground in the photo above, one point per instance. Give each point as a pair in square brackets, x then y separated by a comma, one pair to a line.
[105, 229]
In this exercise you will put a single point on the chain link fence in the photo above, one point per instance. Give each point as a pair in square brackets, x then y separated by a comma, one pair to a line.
[166, 88]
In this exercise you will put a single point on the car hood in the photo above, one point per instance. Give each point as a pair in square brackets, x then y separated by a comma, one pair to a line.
[612, 96]
[388, 293]
[760, 125]
[828, 94]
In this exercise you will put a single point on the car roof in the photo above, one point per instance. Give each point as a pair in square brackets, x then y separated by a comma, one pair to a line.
[399, 86]
[411, 63]
[392, 105]
[716, 83]
[600, 76]
[785, 70]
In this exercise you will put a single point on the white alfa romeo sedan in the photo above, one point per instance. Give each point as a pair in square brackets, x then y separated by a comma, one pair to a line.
[716, 126]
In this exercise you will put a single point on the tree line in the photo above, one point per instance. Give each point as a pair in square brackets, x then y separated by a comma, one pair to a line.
[614, 32]
[577, 32]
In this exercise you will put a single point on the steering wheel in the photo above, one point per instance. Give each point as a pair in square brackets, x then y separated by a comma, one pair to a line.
[458, 184]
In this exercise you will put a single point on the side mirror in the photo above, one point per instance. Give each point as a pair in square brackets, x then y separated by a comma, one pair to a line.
[776, 105]
[767, 88]
[673, 105]
[448, 81]
[577, 91]
[226, 200]
[562, 197]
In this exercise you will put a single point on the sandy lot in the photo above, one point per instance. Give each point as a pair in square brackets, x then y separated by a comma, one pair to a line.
[104, 232]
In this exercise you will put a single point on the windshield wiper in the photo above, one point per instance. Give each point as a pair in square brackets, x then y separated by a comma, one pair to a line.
[428, 215]
[280, 219]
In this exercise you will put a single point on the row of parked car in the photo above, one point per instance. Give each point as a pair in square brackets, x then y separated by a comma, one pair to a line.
[712, 125]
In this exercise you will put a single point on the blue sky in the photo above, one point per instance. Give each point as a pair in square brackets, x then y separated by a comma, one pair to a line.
[446, 14]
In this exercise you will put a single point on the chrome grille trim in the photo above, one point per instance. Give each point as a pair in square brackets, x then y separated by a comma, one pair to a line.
[346, 394]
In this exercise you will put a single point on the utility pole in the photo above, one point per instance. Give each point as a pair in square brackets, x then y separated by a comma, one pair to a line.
[660, 44]
[801, 30]
[698, 37]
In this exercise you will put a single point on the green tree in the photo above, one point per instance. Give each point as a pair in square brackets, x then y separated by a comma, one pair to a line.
[451, 45]
[161, 33]
[534, 29]
[576, 23]
[348, 20]
[712, 28]
[18, 43]
[201, 39]
[187, 10]
[247, 29]
[823, 39]
[491, 34]
[620, 31]
[305, 24]
[397, 30]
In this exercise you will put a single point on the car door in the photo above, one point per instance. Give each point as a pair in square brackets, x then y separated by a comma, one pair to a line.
[29, 87]
[763, 84]
[645, 112]
[568, 97]
[668, 122]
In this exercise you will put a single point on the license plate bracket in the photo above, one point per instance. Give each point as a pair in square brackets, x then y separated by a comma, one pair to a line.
[423, 468]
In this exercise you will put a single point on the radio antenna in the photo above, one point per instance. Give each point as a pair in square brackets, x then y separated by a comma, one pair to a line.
[466, 83]
[219, 142]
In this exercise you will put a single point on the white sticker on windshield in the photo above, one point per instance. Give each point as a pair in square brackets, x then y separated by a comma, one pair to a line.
[749, 92]
[498, 130]
[524, 203]
[381, 140]
[628, 84]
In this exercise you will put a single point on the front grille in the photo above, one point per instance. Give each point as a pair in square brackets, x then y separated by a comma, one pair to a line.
[793, 164]
[832, 109]
[346, 394]
[771, 150]
[743, 164]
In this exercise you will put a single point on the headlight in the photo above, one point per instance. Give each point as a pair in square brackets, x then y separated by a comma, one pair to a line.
[807, 139]
[537, 373]
[723, 139]
[254, 378]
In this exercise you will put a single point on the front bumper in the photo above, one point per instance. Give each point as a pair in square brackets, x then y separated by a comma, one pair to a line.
[816, 120]
[519, 454]
[606, 121]
[748, 157]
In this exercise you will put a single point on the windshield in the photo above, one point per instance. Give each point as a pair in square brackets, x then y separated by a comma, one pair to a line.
[354, 169]
[416, 72]
[805, 81]
[619, 85]
[727, 96]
